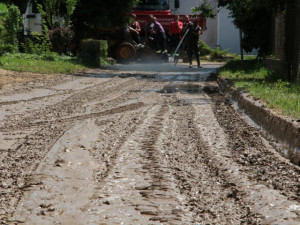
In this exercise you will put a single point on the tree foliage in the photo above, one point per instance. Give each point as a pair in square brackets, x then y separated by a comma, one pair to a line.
[205, 10]
[21, 4]
[254, 18]
[104, 13]
[90, 14]
[56, 16]
[56, 13]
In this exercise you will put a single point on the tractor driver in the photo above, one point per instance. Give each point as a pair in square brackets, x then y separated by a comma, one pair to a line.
[135, 29]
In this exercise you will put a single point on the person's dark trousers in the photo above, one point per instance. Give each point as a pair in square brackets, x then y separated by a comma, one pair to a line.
[161, 41]
[136, 38]
[194, 51]
[174, 39]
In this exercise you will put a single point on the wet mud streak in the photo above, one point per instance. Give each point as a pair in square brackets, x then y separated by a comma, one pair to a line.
[139, 186]
[27, 149]
[63, 183]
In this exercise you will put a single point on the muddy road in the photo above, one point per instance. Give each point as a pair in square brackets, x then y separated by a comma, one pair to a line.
[137, 147]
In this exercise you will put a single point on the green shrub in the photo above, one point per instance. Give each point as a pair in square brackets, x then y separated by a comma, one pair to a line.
[36, 44]
[211, 53]
[103, 51]
[5, 48]
[61, 39]
[93, 52]
[217, 54]
[204, 48]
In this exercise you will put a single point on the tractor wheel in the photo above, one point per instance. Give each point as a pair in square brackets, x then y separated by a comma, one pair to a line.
[125, 52]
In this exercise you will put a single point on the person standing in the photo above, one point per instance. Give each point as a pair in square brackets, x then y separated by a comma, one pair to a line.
[192, 42]
[185, 25]
[135, 29]
[159, 35]
[175, 32]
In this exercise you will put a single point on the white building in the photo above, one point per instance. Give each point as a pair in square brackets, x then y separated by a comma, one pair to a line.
[220, 31]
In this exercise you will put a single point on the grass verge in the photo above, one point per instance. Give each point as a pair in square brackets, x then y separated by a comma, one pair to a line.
[265, 85]
[47, 64]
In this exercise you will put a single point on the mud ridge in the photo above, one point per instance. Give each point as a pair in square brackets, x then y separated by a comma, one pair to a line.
[264, 164]
[282, 128]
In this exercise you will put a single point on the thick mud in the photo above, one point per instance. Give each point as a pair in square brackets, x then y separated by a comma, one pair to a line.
[137, 147]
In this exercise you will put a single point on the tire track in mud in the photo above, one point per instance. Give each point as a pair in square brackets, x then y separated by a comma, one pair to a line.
[210, 197]
[111, 111]
[34, 142]
[108, 146]
[160, 185]
[56, 90]
[233, 198]
[73, 105]
[138, 188]
[20, 159]
[128, 123]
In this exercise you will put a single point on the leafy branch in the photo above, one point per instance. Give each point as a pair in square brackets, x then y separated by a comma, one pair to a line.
[205, 10]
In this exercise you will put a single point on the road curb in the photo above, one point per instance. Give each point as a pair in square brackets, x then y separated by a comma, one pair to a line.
[283, 129]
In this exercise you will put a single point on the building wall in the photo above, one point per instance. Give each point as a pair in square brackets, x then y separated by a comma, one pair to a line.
[228, 33]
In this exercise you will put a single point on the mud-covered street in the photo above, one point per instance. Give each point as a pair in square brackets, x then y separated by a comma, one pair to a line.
[143, 145]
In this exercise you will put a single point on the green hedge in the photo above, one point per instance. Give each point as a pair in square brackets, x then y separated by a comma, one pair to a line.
[93, 52]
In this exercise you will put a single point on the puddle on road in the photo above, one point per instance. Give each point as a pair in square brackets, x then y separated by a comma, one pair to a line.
[171, 73]
[193, 76]
[66, 181]
[179, 87]
[191, 88]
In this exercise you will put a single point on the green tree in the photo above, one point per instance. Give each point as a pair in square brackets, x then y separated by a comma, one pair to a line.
[13, 26]
[70, 8]
[205, 10]
[254, 18]
[104, 13]
[21, 4]
[56, 16]
[90, 14]
[56, 13]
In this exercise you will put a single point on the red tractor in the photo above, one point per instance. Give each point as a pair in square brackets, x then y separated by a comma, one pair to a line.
[121, 45]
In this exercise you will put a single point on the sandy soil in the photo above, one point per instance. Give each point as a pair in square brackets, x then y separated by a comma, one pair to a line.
[136, 145]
